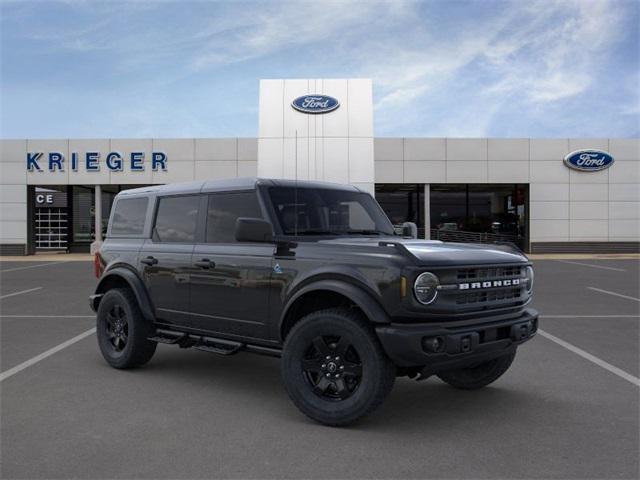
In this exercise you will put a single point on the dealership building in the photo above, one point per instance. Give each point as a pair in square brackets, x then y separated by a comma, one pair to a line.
[543, 194]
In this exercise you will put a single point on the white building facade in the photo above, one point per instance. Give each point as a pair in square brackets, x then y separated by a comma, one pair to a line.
[57, 194]
[336, 146]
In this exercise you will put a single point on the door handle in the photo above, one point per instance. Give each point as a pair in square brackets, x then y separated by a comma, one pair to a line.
[149, 261]
[205, 263]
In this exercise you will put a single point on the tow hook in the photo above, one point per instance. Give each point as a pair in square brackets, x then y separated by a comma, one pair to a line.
[521, 331]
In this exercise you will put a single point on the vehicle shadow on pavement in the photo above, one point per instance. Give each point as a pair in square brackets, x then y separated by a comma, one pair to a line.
[256, 382]
[412, 405]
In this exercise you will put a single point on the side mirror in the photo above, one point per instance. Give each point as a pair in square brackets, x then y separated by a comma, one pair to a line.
[409, 229]
[253, 230]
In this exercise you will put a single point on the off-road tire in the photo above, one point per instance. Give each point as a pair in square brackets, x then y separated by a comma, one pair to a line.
[137, 350]
[377, 373]
[480, 375]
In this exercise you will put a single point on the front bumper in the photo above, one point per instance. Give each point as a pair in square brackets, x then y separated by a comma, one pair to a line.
[456, 344]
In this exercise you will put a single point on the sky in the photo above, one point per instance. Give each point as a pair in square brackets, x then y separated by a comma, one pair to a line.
[88, 69]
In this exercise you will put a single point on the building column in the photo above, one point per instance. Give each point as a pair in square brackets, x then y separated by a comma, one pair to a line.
[95, 246]
[31, 220]
[427, 211]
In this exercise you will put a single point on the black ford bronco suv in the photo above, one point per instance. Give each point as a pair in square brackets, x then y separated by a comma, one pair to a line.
[312, 273]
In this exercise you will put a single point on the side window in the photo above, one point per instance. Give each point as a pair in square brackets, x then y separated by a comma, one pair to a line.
[128, 216]
[224, 209]
[176, 219]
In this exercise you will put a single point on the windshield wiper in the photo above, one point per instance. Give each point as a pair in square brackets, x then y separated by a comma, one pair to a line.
[317, 232]
[365, 232]
[314, 231]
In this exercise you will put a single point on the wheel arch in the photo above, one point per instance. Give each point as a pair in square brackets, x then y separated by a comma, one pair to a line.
[329, 293]
[121, 277]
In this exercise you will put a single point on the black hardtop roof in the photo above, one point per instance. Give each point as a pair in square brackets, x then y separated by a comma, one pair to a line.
[230, 184]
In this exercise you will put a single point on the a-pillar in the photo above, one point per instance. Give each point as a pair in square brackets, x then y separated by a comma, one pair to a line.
[427, 211]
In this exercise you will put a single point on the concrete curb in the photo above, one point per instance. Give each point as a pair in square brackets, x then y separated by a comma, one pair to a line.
[51, 257]
[584, 256]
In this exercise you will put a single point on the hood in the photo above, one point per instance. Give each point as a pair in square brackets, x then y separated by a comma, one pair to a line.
[437, 253]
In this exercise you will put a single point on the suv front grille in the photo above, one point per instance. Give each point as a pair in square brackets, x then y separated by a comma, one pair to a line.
[492, 272]
[488, 297]
[480, 289]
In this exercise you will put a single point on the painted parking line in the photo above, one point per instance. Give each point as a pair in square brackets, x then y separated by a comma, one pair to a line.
[38, 358]
[47, 316]
[578, 316]
[592, 358]
[19, 293]
[615, 294]
[603, 267]
[32, 266]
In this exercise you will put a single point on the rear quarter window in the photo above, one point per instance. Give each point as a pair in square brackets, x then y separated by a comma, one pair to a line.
[128, 216]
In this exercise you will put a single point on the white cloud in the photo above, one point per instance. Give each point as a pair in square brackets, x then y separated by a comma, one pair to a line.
[276, 27]
[534, 53]
[554, 57]
[436, 70]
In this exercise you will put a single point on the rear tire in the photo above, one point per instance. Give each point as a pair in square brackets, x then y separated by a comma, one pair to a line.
[334, 368]
[122, 331]
[479, 376]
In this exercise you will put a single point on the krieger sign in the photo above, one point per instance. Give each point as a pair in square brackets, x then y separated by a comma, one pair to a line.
[114, 161]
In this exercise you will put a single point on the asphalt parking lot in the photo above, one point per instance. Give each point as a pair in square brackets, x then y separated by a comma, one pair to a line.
[564, 410]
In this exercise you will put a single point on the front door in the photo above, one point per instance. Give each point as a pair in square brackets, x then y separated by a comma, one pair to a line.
[231, 283]
[165, 259]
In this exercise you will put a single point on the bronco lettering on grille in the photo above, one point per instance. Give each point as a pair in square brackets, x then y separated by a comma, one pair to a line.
[489, 284]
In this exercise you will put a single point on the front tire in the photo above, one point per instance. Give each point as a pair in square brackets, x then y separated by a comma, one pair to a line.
[122, 331]
[480, 375]
[334, 368]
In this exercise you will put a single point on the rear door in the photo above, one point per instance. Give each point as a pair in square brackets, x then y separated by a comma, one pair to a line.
[166, 257]
[230, 289]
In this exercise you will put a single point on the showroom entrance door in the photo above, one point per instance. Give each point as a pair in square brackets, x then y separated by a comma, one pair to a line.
[50, 213]
[484, 213]
[476, 213]
[403, 203]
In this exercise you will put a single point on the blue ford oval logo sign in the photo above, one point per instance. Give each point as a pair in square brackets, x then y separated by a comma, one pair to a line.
[588, 160]
[315, 104]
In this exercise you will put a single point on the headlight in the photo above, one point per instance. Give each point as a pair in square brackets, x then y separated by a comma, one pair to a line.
[529, 274]
[426, 288]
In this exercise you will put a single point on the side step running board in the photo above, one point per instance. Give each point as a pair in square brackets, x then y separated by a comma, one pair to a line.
[168, 336]
[219, 351]
[221, 346]
[208, 344]
[216, 345]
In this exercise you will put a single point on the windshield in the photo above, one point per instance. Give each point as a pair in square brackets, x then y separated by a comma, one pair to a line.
[310, 211]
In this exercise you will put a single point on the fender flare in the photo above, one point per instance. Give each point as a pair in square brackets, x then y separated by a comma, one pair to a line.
[369, 305]
[136, 285]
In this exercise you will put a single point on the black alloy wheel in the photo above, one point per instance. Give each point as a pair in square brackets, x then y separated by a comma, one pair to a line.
[333, 367]
[123, 333]
[117, 327]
